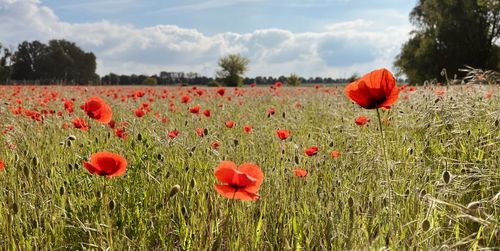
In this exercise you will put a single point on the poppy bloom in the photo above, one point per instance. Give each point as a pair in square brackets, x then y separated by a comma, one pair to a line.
[185, 99]
[300, 172]
[215, 145]
[2, 165]
[376, 89]
[283, 134]
[313, 150]
[335, 154]
[80, 123]
[221, 91]
[112, 124]
[247, 128]
[361, 120]
[241, 182]
[271, 111]
[172, 134]
[97, 109]
[106, 164]
[230, 124]
[139, 112]
[200, 132]
[121, 133]
[206, 113]
[195, 109]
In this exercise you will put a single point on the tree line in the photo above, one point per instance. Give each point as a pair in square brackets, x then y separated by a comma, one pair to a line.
[448, 36]
[58, 61]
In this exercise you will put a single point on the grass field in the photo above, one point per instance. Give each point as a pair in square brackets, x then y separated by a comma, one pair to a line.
[443, 150]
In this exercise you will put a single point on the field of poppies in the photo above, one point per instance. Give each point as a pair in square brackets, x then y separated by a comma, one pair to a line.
[368, 166]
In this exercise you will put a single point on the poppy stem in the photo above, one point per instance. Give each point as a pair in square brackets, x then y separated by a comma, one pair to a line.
[388, 170]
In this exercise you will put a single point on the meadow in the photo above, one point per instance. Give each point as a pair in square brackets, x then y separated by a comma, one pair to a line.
[440, 189]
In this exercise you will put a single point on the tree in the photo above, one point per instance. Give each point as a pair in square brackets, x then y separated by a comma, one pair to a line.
[293, 80]
[5, 68]
[450, 35]
[149, 81]
[233, 66]
[60, 60]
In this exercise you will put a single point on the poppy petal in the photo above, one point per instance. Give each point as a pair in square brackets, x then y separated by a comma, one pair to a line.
[225, 171]
[253, 171]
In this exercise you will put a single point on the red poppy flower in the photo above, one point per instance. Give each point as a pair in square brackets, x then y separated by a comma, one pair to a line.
[112, 124]
[185, 99]
[230, 124]
[247, 128]
[215, 145]
[195, 109]
[200, 132]
[139, 112]
[271, 111]
[221, 91]
[121, 133]
[335, 154]
[300, 172]
[283, 134]
[106, 164]
[2, 165]
[313, 150]
[241, 182]
[172, 134]
[206, 113]
[97, 109]
[362, 120]
[80, 123]
[376, 89]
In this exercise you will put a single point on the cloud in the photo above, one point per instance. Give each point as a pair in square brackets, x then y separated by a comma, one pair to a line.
[337, 50]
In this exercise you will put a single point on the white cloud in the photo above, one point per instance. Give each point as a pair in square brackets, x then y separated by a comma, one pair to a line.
[337, 51]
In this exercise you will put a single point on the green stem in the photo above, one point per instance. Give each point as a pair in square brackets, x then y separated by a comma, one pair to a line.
[388, 170]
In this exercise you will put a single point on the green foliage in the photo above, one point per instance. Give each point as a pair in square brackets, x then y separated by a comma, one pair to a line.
[59, 61]
[451, 34]
[232, 67]
[149, 81]
[293, 80]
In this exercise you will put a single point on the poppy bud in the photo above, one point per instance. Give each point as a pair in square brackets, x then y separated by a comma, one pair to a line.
[193, 183]
[72, 137]
[69, 143]
[160, 157]
[422, 193]
[34, 161]
[446, 177]
[426, 225]
[350, 202]
[174, 190]
[111, 205]
[26, 171]
[15, 208]
[473, 205]
[139, 137]
[61, 190]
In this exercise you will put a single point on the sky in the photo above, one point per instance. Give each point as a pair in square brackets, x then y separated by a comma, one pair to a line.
[328, 38]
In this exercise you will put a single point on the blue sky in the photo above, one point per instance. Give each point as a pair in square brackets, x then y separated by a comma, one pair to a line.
[309, 37]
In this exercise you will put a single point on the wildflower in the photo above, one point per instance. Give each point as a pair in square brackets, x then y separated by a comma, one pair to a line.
[376, 89]
[241, 182]
[106, 164]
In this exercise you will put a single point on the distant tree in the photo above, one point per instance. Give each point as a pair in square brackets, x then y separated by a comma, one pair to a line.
[150, 81]
[232, 67]
[293, 80]
[5, 67]
[451, 34]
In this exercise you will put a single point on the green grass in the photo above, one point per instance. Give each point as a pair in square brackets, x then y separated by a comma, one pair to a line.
[50, 202]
